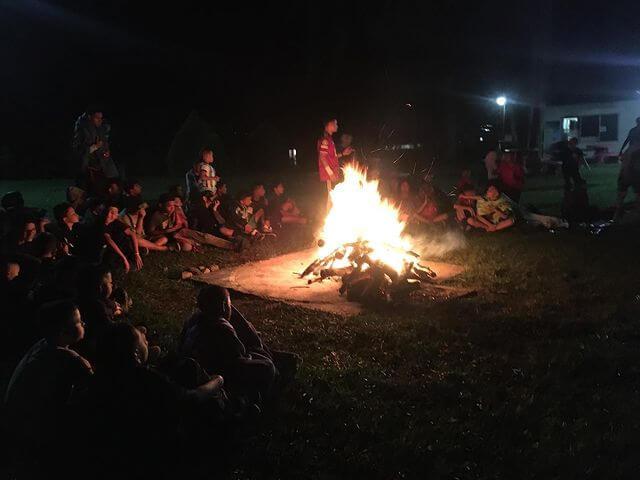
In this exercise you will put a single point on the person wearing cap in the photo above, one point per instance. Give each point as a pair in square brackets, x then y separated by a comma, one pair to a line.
[328, 158]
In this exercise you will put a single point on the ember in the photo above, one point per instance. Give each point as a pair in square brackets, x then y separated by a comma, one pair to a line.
[363, 245]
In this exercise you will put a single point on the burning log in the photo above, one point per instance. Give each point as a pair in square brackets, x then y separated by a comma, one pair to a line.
[366, 278]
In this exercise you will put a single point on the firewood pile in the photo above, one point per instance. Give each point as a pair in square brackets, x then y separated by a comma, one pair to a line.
[368, 280]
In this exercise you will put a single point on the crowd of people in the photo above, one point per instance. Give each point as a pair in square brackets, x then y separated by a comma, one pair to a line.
[81, 371]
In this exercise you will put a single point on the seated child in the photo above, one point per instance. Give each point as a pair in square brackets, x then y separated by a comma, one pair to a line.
[282, 209]
[429, 211]
[133, 217]
[494, 211]
[245, 221]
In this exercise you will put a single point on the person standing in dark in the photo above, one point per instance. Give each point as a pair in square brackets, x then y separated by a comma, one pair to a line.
[633, 139]
[511, 175]
[91, 147]
[629, 175]
[328, 158]
[571, 157]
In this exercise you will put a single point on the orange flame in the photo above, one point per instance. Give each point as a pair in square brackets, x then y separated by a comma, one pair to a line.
[359, 213]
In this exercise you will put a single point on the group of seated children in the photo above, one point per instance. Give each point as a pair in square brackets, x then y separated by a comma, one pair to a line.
[119, 228]
[90, 378]
[490, 212]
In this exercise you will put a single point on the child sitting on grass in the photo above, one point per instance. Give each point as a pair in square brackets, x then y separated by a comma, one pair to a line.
[245, 221]
[494, 212]
[465, 207]
[282, 209]
[429, 211]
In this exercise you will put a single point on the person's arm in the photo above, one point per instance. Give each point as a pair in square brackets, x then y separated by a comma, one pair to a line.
[323, 153]
[115, 248]
[626, 142]
[136, 248]
[140, 222]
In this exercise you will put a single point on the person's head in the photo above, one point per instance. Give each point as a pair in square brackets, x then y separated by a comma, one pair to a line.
[258, 191]
[167, 203]
[45, 245]
[207, 198]
[493, 192]
[76, 196]
[427, 190]
[278, 188]
[121, 346]
[95, 206]
[404, 188]
[215, 301]
[206, 155]
[346, 139]
[96, 116]
[134, 204]
[111, 214]
[65, 213]
[11, 270]
[246, 199]
[61, 322]
[12, 201]
[113, 188]
[133, 188]
[468, 190]
[29, 231]
[331, 126]
[94, 282]
[176, 190]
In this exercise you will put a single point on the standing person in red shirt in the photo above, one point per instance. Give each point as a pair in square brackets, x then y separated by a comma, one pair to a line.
[328, 164]
[511, 175]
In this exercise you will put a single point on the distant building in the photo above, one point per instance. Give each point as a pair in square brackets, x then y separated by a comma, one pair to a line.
[601, 128]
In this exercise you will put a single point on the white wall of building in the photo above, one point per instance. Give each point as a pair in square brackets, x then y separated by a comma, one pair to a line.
[627, 111]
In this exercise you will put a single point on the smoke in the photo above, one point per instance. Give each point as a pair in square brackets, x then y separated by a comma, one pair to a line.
[438, 245]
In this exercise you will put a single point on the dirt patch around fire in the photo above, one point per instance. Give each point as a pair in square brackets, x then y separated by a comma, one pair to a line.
[279, 279]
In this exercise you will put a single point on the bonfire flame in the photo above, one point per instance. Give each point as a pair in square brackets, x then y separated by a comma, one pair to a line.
[360, 215]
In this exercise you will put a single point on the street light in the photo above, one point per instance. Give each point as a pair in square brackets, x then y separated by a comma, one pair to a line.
[502, 101]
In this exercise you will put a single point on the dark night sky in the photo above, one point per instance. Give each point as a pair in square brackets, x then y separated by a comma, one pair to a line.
[289, 64]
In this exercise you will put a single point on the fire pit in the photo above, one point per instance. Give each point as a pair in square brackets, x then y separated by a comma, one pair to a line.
[363, 244]
[366, 279]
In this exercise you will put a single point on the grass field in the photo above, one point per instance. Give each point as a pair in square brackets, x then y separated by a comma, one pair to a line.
[537, 376]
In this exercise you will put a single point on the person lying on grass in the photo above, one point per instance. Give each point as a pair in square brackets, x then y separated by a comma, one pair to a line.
[494, 212]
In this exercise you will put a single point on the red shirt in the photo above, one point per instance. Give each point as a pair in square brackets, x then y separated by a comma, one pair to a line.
[327, 149]
[511, 175]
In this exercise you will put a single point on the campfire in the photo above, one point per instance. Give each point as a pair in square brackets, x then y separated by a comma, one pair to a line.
[363, 245]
